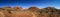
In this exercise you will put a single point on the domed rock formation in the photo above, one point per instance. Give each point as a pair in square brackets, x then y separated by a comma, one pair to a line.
[33, 8]
[35, 11]
[7, 7]
[51, 11]
[17, 8]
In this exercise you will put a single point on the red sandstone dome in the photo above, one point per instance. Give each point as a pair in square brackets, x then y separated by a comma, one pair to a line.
[7, 7]
[50, 8]
[33, 8]
[17, 8]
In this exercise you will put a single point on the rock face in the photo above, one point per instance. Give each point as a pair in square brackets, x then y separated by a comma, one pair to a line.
[31, 12]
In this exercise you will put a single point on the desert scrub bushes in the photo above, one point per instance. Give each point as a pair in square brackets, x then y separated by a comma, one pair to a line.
[22, 13]
[30, 12]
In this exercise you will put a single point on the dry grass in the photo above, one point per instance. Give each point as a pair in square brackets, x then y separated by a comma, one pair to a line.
[27, 14]
[22, 14]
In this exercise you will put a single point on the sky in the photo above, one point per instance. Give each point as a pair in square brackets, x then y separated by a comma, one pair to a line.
[29, 3]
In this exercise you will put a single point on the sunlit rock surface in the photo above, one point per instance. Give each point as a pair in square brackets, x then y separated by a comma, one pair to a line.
[31, 12]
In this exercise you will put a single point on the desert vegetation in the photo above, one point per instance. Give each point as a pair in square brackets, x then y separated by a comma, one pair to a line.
[30, 12]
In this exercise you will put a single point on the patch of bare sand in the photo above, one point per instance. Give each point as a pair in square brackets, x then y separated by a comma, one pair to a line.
[1, 14]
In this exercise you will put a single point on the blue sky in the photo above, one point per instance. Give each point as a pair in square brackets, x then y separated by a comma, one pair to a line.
[29, 3]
